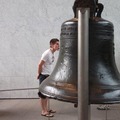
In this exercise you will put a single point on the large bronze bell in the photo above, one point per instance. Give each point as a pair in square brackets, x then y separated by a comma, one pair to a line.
[104, 78]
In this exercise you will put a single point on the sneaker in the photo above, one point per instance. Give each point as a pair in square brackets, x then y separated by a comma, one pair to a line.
[103, 107]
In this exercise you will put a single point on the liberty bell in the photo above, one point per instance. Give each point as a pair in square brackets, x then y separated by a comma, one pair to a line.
[104, 78]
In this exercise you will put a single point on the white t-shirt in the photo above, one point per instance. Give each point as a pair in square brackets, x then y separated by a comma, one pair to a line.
[48, 58]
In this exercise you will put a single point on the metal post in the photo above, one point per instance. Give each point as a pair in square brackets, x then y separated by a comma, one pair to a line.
[83, 90]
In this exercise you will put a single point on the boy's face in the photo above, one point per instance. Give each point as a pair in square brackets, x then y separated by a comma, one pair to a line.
[55, 46]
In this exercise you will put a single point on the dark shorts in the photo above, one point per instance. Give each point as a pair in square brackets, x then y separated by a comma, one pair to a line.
[41, 79]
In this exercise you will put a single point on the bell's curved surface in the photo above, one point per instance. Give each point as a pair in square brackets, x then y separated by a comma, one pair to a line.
[104, 77]
[62, 83]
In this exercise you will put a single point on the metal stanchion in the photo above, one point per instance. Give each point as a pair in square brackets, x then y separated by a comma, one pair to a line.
[83, 91]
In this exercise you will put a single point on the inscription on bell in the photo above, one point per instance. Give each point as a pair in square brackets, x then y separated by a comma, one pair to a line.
[69, 31]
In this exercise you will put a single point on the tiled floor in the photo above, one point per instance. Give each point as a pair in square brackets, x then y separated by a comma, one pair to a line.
[30, 110]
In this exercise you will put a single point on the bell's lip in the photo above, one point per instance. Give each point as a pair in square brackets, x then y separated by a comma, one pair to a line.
[66, 95]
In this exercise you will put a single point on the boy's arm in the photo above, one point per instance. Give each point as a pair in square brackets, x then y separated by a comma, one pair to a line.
[40, 68]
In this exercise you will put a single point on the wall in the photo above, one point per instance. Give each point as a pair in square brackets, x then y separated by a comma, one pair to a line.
[26, 26]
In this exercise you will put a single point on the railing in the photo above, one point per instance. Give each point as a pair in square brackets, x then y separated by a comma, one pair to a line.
[20, 89]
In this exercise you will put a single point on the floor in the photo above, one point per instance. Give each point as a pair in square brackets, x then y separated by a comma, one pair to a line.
[29, 109]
